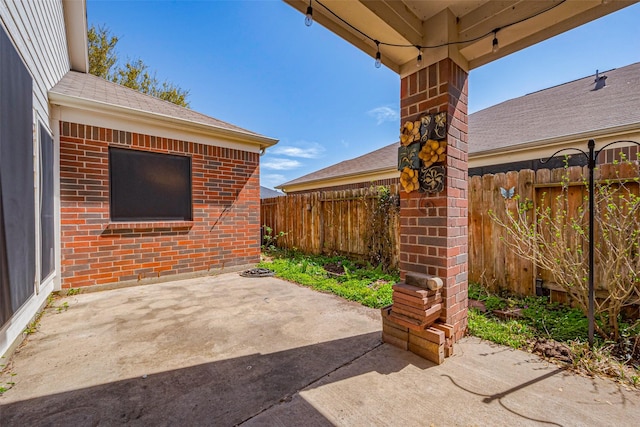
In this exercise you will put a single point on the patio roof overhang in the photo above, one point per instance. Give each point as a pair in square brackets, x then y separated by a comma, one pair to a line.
[468, 23]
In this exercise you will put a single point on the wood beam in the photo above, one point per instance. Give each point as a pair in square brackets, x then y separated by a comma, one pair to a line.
[494, 15]
[485, 13]
[399, 17]
[559, 26]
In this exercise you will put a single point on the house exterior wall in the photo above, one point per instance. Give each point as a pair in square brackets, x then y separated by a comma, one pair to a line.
[224, 233]
[36, 30]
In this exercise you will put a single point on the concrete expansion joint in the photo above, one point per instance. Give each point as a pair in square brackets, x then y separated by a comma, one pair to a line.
[287, 398]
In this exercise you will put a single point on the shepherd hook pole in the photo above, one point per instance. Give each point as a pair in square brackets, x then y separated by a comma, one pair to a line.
[592, 165]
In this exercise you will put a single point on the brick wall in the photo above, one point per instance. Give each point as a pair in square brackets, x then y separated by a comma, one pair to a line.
[433, 228]
[226, 212]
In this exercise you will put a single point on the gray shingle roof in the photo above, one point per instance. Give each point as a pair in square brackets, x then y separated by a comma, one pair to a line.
[266, 193]
[560, 111]
[91, 88]
[380, 159]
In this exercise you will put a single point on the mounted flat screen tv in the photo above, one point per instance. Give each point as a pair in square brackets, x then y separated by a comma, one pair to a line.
[148, 186]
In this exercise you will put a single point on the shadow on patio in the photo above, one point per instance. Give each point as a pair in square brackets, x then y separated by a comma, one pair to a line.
[225, 392]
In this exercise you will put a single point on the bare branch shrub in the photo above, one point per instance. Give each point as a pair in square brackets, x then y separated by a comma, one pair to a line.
[554, 234]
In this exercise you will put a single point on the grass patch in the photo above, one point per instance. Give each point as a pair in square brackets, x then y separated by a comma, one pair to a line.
[554, 321]
[545, 320]
[368, 285]
[513, 333]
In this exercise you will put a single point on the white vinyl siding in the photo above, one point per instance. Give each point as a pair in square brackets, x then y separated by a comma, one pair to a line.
[36, 28]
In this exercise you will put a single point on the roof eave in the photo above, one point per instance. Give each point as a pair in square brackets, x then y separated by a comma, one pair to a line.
[57, 98]
[299, 186]
[543, 143]
[75, 18]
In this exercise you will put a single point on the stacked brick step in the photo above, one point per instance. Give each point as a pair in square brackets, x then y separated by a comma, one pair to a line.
[412, 321]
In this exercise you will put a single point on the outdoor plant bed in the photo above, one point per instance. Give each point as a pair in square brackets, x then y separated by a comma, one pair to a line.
[555, 332]
[512, 313]
[347, 278]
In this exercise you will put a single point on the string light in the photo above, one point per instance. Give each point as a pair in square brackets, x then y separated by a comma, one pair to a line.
[308, 20]
[495, 46]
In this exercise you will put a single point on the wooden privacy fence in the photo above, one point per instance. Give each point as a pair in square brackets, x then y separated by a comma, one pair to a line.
[343, 222]
[494, 264]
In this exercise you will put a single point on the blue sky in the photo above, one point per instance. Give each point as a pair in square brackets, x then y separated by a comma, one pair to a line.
[256, 65]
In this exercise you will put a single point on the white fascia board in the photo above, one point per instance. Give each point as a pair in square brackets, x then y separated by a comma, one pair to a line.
[546, 147]
[95, 113]
[373, 175]
[75, 22]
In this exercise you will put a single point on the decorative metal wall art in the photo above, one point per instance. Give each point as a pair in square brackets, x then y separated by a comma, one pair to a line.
[440, 127]
[408, 157]
[409, 179]
[433, 152]
[423, 146]
[410, 132]
[426, 127]
[507, 194]
[431, 179]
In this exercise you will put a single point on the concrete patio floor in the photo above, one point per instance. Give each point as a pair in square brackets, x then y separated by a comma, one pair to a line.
[227, 350]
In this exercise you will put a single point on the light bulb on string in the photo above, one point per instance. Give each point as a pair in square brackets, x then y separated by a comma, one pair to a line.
[378, 57]
[308, 20]
[419, 58]
[495, 45]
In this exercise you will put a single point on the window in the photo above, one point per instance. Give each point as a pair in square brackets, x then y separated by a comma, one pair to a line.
[47, 229]
[148, 186]
[17, 198]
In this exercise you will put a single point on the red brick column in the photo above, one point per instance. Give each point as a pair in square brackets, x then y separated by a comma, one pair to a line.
[433, 228]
